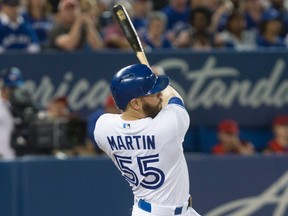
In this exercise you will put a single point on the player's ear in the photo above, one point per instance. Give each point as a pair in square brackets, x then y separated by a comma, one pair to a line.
[135, 104]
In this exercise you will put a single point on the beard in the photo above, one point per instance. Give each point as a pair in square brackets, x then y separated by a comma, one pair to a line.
[152, 111]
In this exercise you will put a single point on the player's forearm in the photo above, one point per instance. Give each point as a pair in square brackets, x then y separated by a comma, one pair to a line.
[168, 93]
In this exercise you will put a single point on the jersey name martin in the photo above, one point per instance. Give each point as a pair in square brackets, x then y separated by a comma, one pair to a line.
[146, 142]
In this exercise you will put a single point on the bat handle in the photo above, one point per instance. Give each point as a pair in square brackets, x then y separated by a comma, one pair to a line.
[142, 58]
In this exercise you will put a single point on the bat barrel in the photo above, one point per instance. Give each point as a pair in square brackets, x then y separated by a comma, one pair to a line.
[127, 27]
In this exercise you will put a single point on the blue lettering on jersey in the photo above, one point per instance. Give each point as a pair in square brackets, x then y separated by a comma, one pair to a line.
[137, 141]
[151, 142]
[146, 142]
[128, 140]
[120, 143]
[112, 143]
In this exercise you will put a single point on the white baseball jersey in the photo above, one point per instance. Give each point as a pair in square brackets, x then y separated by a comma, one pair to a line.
[6, 127]
[149, 153]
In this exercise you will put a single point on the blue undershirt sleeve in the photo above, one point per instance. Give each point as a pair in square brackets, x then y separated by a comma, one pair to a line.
[176, 100]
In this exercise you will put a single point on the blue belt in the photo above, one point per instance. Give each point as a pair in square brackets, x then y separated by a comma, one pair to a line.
[146, 206]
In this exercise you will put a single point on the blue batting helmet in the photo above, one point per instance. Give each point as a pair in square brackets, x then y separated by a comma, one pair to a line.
[12, 77]
[134, 81]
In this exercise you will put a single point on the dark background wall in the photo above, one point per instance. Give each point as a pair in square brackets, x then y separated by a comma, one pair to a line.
[93, 186]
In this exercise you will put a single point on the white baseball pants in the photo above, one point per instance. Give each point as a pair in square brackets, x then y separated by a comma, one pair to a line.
[139, 212]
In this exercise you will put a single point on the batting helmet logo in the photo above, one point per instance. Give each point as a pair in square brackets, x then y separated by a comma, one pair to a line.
[135, 81]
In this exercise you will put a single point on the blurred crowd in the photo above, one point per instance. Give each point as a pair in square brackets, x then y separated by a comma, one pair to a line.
[73, 25]
[230, 142]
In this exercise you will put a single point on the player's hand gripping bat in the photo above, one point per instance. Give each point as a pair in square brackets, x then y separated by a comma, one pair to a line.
[130, 33]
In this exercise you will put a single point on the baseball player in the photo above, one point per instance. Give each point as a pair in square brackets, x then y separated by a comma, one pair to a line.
[145, 141]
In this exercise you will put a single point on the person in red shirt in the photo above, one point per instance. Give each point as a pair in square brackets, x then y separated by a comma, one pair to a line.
[229, 141]
[279, 143]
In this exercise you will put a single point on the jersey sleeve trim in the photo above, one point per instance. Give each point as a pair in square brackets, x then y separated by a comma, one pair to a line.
[176, 100]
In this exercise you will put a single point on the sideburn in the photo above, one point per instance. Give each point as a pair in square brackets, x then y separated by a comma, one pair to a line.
[149, 110]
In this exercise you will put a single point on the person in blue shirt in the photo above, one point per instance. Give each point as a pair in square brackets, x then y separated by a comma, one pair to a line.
[155, 35]
[269, 30]
[280, 6]
[37, 15]
[177, 13]
[15, 33]
[140, 8]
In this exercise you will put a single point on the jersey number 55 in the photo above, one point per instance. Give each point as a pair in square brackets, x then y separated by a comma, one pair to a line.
[144, 169]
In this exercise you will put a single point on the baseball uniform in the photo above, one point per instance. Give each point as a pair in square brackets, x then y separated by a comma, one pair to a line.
[149, 154]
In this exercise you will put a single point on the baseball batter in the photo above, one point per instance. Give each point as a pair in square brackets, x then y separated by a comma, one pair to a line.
[145, 141]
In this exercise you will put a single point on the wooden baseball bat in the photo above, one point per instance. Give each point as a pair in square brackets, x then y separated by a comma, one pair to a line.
[130, 33]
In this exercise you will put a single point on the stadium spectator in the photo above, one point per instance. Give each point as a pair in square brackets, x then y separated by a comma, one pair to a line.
[53, 4]
[159, 5]
[74, 29]
[235, 36]
[11, 78]
[229, 141]
[177, 13]
[15, 34]
[253, 14]
[279, 5]
[269, 30]
[37, 15]
[209, 4]
[105, 4]
[198, 36]
[154, 36]
[58, 108]
[220, 14]
[279, 143]
[140, 11]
